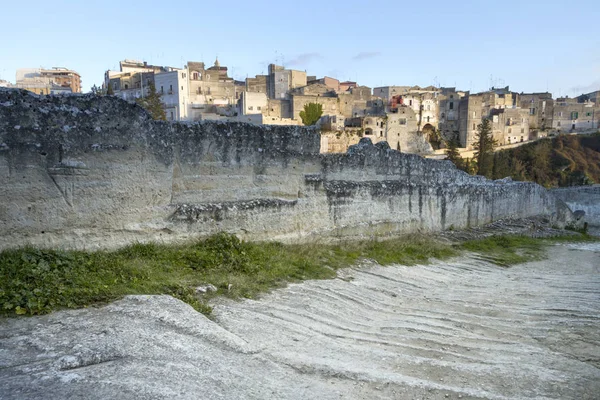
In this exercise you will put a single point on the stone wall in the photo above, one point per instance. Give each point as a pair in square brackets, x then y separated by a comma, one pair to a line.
[584, 198]
[90, 172]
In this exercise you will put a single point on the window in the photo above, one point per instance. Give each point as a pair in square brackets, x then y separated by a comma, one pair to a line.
[558, 124]
[532, 111]
[474, 127]
[162, 90]
[521, 138]
[560, 114]
[509, 130]
[428, 107]
[451, 105]
[588, 114]
[402, 121]
[170, 89]
[428, 119]
[474, 114]
[126, 86]
[172, 116]
[410, 102]
[250, 107]
[258, 107]
[522, 131]
[380, 133]
[182, 88]
[451, 96]
[382, 124]
[574, 115]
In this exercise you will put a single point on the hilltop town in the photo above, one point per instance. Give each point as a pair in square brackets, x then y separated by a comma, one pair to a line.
[411, 119]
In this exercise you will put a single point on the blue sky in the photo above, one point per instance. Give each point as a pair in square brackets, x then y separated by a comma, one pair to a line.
[530, 45]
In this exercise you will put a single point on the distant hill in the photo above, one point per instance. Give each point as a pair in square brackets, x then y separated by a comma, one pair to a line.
[565, 160]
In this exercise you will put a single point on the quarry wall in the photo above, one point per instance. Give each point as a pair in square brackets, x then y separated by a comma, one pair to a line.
[584, 198]
[90, 172]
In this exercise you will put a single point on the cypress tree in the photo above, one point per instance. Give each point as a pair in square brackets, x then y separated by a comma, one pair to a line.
[484, 148]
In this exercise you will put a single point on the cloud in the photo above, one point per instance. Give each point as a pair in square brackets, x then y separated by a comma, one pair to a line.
[586, 88]
[365, 55]
[303, 59]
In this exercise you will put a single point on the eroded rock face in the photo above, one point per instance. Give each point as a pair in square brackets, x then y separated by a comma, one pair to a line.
[88, 171]
[462, 328]
[584, 200]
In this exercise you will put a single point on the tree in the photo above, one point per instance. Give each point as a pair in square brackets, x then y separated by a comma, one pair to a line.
[469, 166]
[98, 91]
[311, 113]
[152, 104]
[453, 155]
[484, 148]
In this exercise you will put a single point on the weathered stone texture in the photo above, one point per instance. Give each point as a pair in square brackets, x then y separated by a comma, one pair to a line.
[85, 171]
[584, 198]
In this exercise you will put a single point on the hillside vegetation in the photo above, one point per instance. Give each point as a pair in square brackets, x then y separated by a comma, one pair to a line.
[565, 160]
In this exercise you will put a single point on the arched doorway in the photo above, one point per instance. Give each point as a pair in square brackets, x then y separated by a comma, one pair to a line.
[432, 136]
[428, 129]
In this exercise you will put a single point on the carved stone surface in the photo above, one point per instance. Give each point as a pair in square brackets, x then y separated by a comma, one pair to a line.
[88, 172]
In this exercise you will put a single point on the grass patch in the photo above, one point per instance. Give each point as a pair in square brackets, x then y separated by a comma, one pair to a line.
[37, 281]
[509, 250]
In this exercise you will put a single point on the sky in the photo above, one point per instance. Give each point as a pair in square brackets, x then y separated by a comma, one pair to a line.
[531, 45]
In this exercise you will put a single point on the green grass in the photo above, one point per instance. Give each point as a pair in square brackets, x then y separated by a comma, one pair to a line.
[37, 281]
[507, 250]
[510, 250]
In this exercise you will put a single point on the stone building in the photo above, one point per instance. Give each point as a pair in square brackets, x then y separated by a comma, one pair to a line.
[211, 90]
[541, 110]
[134, 78]
[331, 83]
[470, 112]
[63, 77]
[355, 101]
[172, 86]
[572, 116]
[594, 97]
[347, 85]
[258, 84]
[448, 114]
[510, 122]
[253, 103]
[509, 125]
[57, 80]
[131, 85]
[388, 92]
[280, 81]
[423, 102]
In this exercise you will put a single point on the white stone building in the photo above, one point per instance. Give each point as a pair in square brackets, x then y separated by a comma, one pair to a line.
[172, 86]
